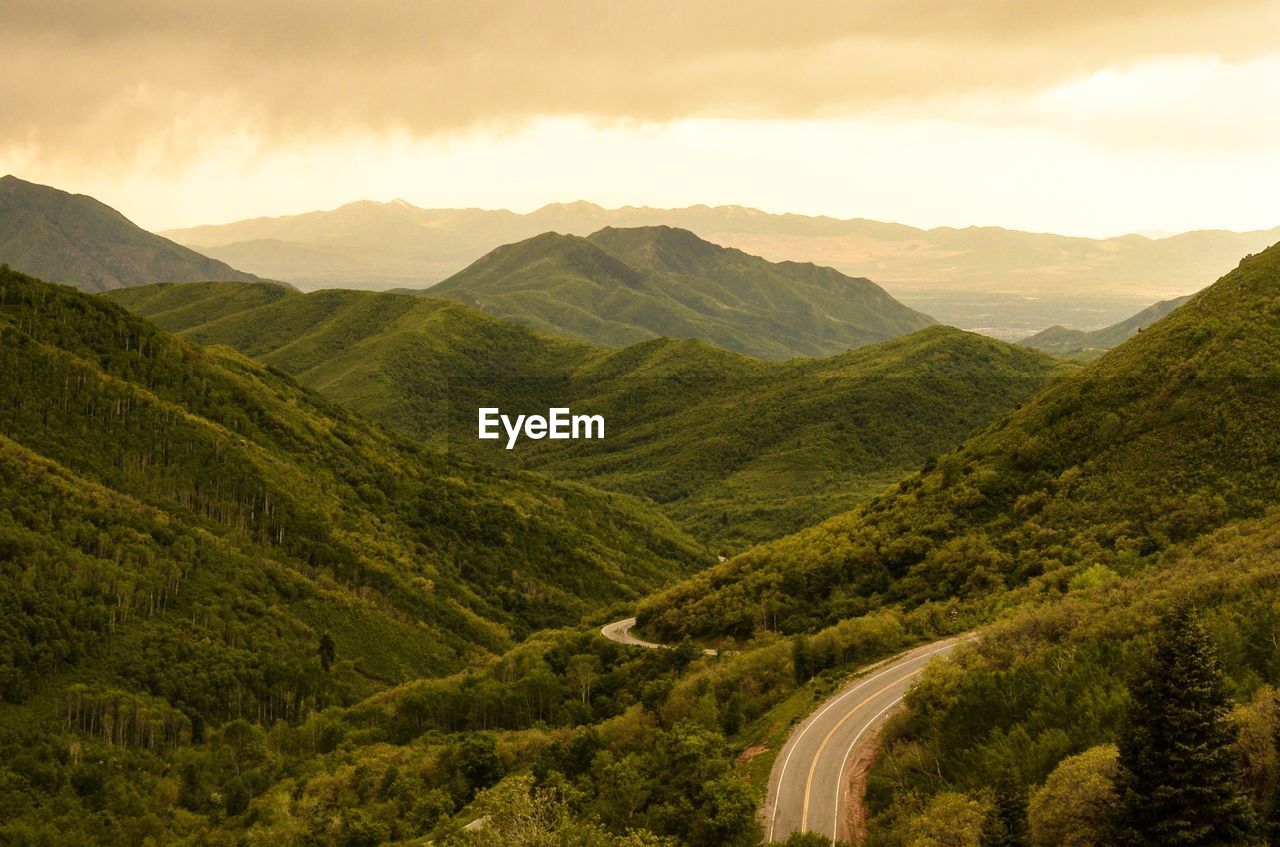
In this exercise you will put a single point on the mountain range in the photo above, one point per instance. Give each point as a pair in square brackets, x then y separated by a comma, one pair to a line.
[620, 286]
[998, 281]
[76, 240]
[735, 449]
[1164, 438]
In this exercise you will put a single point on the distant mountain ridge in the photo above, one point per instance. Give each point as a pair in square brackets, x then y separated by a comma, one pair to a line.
[621, 286]
[1028, 280]
[76, 240]
[1083, 346]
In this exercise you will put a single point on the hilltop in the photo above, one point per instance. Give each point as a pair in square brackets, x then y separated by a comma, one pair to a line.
[1164, 438]
[1083, 346]
[186, 526]
[76, 240]
[735, 449]
[620, 286]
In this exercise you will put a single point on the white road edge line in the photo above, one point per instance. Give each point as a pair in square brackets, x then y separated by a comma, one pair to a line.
[835, 823]
[773, 815]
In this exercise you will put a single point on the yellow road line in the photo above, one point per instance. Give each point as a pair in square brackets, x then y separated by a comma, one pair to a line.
[813, 767]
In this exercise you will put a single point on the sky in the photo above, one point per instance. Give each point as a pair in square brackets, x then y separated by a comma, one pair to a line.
[1083, 117]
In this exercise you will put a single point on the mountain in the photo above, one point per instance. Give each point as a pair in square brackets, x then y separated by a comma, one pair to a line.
[186, 526]
[1171, 434]
[76, 240]
[735, 449]
[1082, 346]
[620, 286]
[997, 281]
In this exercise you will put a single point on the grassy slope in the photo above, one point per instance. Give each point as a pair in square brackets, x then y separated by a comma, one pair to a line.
[1086, 346]
[1169, 435]
[737, 450]
[186, 522]
[75, 239]
[620, 286]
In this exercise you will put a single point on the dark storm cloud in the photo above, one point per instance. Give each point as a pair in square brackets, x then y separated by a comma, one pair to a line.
[85, 80]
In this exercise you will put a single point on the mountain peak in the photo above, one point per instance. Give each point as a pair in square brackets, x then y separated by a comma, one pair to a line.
[659, 247]
[623, 285]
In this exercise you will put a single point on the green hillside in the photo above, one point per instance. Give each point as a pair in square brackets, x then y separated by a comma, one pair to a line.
[1170, 435]
[74, 239]
[620, 286]
[1084, 346]
[1050, 683]
[186, 525]
[735, 449]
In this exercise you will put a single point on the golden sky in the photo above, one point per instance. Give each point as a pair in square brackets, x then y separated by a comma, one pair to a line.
[1081, 117]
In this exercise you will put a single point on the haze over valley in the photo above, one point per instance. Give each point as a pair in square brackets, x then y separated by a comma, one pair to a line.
[1000, 282]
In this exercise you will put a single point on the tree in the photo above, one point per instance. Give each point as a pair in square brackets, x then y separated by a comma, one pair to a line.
[1179, 775]
[327, 651]
[478, 760]
[802, 658]
[1008, 825]
[583, 669]
[950, 820]
[1077, 805]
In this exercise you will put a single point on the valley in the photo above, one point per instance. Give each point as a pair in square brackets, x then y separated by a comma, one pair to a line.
[734, 449]
[259, 563]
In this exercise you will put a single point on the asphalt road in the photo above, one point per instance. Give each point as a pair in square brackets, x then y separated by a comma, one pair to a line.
[806, 788]
[620, 631]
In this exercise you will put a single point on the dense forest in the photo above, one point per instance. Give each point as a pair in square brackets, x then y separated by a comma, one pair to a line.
[1019, 733]
[734, 449]
[190, 539]
[1167, 437]
[221, 628]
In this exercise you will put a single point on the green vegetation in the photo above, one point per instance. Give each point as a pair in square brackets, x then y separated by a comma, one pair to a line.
[620, 286]
[1179, 774]
[1169, 436]
[1039, 703]
[74, 239]
[189, 524]
[1085, 346]
[235, 613]
[735, 450]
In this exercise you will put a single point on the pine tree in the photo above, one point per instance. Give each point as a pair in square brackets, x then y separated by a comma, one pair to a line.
[1008, 824]
[1179, 775]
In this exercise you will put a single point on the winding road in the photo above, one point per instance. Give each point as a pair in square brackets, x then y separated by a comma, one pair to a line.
[807, 788]
[620, 631]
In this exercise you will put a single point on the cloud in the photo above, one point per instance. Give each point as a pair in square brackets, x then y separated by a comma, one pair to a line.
[96, 82]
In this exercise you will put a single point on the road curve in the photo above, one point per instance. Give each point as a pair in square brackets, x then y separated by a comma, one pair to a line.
[620, 631]
[806, 786]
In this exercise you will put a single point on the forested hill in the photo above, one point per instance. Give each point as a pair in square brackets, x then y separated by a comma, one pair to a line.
[1083, 346]
[193, 532]
[735, 449]
[620, 286]
[76, 240]
[1168, 436]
